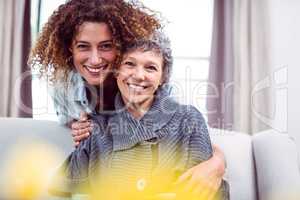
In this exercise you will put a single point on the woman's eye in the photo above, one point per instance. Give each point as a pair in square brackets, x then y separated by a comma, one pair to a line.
[82, 46]
[129, 63]
[151, 68]
[106, 47]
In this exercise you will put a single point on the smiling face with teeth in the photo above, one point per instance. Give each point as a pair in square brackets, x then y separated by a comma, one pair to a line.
[139, 76]
[93, 52]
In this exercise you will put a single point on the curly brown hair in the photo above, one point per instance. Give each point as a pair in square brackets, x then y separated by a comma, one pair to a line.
[128, 21]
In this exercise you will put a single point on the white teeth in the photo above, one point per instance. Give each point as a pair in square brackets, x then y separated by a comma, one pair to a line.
[135, 87]
[94, 70]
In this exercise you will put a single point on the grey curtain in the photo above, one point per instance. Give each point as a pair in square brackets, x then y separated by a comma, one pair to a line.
[15, 76]
[240, 87]
[220, 85]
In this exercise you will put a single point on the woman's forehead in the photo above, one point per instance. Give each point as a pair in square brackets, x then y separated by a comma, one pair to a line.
[93, 31]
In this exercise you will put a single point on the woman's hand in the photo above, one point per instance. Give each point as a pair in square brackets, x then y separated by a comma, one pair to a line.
[204, 179]
[81, 129]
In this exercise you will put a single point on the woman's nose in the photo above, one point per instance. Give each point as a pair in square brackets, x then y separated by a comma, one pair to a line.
[139, 73]
[95, 58]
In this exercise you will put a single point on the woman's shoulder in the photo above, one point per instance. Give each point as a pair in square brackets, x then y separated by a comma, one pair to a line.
[188, 116]
[73, 80]
[189, 111]
[67, 85]
[182, 110]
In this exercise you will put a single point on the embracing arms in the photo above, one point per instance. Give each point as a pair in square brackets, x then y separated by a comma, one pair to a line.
[205, 179]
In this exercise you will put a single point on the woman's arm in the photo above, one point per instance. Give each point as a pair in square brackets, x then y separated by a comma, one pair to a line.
[78, 169]
[80, 128]
[72, 176]
[59, 95]
[204, 179]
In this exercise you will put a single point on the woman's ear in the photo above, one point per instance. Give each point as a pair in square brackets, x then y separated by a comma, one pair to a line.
[70, 59]
[162, 80]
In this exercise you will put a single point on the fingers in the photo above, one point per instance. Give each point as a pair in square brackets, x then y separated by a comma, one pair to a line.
[81, 137]
[191, 184]
[208, 194]
[76, 144]
[83, 131]
[207, 189]
[83, 116]
[80, 125]
[198, 185]
[184, 177]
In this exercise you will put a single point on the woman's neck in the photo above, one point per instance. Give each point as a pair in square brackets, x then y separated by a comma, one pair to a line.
[138, 110]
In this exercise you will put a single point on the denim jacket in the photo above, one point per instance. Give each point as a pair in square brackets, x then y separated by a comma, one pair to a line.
[70, 98]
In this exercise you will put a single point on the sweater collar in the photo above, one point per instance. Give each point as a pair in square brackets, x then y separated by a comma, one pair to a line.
[147, 128]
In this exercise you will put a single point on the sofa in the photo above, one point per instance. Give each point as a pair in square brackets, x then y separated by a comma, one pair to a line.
[260, 167]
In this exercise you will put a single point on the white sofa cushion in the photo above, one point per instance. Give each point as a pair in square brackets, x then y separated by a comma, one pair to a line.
[23, 133]
[277, 166]
[240, 171]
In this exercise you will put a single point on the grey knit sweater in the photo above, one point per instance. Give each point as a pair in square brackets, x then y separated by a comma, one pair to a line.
[144, 155]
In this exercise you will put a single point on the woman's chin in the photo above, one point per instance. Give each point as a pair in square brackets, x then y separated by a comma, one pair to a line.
[95, 81]
[140, 99]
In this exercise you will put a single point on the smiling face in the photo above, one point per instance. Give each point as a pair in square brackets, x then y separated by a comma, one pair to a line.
[139, 76]
[93, 52]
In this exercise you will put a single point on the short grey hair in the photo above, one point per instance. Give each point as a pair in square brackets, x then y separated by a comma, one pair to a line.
[160, 43]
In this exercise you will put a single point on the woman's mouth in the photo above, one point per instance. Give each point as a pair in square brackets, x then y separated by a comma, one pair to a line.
[96, 70]
[136, 87]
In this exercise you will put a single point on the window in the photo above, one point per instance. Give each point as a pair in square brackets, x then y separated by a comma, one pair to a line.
[190, 30]
[41, 101]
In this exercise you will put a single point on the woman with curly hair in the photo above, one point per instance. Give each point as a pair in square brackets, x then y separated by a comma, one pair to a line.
[80, 44]
[78, 49]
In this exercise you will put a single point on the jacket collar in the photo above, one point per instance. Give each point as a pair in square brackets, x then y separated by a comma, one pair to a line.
[78, 86]
[76, 81]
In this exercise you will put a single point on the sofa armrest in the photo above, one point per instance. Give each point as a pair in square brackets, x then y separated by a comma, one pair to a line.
[240, 172]
[277, 166]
